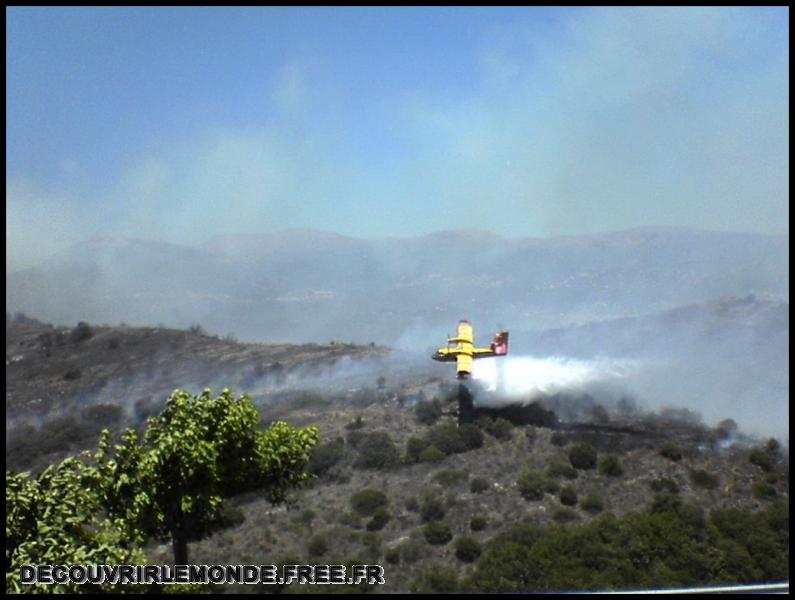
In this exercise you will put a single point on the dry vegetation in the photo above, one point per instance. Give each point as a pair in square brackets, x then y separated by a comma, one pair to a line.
[398, 484]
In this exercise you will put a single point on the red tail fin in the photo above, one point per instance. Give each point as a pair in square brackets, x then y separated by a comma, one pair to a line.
[500, 343]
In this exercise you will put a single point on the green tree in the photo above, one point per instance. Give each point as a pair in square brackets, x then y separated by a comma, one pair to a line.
[171, 482]
[56, 518]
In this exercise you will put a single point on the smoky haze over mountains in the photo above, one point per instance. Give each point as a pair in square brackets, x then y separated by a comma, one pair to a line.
[311, 286]
[703, 315]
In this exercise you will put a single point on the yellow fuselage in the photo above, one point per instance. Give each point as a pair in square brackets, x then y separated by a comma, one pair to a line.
[462, 350]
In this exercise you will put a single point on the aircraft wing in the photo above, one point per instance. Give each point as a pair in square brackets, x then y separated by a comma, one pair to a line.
[444, 355]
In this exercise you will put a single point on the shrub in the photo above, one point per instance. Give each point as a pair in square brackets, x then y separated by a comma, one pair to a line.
[325, 456]
[672, 548]
[392, 555]
[664, 484]
[412, 504]
[582, 456]
[477, 523]
[411, 551]
[763, 490]
[671, 451]
[665, 502]
[317, 546]
[82, 332]
[351, 520]
[761, 459]
[478, 485]
[414, 448]
[773, 448]
[531, 484]
[432, 454]
[485, 422]
[568, 496]
[592, 503]
[436, 580]
[367, 501]
[726, 428]
[471, 435]
[377, 451]
[502, 429]
[772, 477]
[703, 479]
[551, 486]
[447, 438]
[563, 514]
[467, 548]
[523, 533]
[559, 439]
[432, 509]
[372, 544]
[561, 469]
[428, 412]
[450, 477]
[380, 518]
[610, 465]
[437, 533]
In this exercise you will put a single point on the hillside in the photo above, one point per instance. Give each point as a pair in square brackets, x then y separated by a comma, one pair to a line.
[368, 445]
[66, 383]
[448, 505]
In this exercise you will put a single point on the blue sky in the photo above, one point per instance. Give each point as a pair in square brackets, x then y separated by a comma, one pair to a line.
[180, 124]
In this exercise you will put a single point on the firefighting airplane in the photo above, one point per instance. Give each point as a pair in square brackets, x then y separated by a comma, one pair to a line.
[461, 349]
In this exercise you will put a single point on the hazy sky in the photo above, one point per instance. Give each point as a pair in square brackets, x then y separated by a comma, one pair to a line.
[182, 123]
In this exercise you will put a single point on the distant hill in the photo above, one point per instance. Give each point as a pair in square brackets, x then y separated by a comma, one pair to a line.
[728, 357]
[52, 370]
[305, 285]
[748, 327]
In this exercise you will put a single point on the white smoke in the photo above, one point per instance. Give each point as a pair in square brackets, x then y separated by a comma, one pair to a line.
[529, 375]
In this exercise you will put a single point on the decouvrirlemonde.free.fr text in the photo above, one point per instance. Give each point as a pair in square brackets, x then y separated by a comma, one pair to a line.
[201, 574]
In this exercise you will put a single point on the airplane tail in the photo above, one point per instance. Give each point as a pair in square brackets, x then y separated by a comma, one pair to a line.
[500, 343]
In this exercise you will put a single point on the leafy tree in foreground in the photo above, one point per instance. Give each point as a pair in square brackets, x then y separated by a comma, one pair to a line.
[171, 482]
[56, 519]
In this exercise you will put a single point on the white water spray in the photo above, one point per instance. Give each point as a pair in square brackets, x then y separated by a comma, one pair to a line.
[523, 375]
